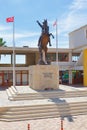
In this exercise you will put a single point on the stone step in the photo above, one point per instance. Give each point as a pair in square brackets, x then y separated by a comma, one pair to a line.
[50, 110]
[8, 93]
[44, 95]
[29, 97]
[43, 111]
[44, 104]
[42, 115]
[58, 93]
[14, 89]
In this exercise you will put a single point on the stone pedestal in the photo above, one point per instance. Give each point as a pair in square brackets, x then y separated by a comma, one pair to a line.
[43, 77]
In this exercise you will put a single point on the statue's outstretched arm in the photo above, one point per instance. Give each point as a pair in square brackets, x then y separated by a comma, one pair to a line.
[39, 24]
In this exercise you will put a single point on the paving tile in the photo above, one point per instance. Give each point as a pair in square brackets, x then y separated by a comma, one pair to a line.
[78, 123]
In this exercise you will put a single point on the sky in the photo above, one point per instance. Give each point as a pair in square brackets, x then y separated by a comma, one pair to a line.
[70, 15]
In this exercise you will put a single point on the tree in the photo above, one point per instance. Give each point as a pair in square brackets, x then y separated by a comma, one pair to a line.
[2, 43]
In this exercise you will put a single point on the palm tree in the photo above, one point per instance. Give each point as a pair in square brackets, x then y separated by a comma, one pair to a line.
[2, 43]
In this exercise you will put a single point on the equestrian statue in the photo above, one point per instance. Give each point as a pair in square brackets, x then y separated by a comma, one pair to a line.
[43, 41]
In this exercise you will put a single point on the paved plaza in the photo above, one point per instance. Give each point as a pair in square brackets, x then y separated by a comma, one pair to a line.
[77, 123]
[71, 123]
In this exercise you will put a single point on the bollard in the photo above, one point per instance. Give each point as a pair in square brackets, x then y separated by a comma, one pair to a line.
[28, 126]
[62, 124]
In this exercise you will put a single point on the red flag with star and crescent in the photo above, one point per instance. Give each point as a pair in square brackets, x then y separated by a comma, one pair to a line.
[10, 19]
[55, 23]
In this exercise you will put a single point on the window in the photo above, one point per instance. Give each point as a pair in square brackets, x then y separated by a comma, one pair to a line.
[63, 57]
[20, 59]
[51, 56]
[5, 59]
[75, 57]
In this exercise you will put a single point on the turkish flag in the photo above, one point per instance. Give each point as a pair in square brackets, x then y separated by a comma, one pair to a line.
[10, 19]
[55, 23]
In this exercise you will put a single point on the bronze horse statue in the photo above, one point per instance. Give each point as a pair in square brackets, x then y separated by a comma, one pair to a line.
[43, 41]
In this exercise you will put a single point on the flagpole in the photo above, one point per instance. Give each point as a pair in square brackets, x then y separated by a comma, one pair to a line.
[56, 43]
[13, 54]
[57, 51]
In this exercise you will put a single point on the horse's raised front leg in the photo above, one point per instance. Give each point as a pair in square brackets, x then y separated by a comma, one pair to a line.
[49, 42]
[51, 35]
[49, 38]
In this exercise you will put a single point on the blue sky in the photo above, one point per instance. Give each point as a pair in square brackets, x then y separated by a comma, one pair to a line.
[71, 14]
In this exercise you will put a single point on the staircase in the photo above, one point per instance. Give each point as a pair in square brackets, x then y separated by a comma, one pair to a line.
[14, 95]
[43, 111]
[49, 104]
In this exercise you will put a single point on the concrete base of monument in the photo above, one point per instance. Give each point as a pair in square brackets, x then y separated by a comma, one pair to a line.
[44, 77]
[41, 62]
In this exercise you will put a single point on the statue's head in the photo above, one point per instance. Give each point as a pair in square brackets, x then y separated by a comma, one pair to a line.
[45, 21]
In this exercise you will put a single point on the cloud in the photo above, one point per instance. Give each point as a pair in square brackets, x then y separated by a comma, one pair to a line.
[9, 30]
[78, 5]
[25, 38]
[26, 34]
[71, 20]
[19, 35]
[4, 28]
[29, 43]
[76, 17]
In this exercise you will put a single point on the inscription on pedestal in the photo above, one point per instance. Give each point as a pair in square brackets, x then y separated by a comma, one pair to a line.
[47, 75]
[43, 76]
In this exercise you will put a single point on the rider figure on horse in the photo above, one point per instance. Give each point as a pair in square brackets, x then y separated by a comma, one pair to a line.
[45, 30]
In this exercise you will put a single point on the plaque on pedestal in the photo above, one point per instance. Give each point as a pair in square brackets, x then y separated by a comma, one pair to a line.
[43, 77]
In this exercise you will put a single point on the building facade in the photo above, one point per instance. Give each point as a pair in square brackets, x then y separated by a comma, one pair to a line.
[70, 61]
[25, 57]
